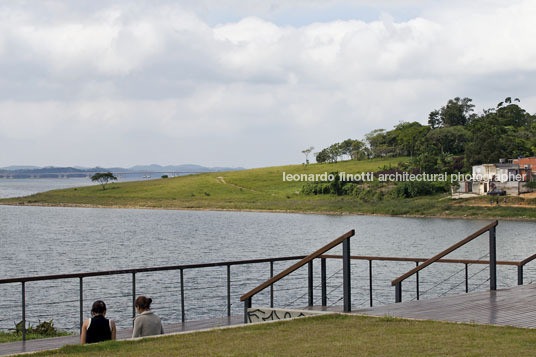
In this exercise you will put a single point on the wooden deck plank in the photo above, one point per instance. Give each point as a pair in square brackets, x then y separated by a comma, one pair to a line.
[57, 342]
[512, 306]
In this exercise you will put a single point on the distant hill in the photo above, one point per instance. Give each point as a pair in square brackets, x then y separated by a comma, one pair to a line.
[184, 168]
[19, 167]
[78, 171]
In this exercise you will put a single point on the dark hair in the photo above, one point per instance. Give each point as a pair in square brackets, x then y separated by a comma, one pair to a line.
[143, 303]
[98, 308]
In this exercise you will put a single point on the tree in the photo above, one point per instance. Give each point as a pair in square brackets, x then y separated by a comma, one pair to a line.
[357, 152]
[306, 152]
[449, 140]
[408, 136]
[103, 178]
[456, 112]
[345, 148]
[381, 143]
[322, 156]
[335, 150]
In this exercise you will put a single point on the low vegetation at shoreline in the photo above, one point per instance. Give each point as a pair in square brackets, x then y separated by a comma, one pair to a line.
[328, 335]
[264, 189]
[45, 329]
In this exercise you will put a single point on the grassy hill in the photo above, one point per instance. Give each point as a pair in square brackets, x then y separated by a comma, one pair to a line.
[331, 335]
[264, 189]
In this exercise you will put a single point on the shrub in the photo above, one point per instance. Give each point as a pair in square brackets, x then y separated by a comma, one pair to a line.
[43, 328]
[409, 189]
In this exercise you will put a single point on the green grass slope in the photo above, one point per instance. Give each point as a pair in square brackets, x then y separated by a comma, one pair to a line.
[332, 335]
[264, 189]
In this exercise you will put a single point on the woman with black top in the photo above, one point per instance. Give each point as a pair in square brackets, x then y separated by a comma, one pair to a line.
[98, 328]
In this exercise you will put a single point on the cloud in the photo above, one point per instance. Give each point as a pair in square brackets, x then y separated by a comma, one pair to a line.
[135, 75]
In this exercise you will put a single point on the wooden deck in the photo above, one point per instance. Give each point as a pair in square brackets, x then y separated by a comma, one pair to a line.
[57, 342]
[514, 306]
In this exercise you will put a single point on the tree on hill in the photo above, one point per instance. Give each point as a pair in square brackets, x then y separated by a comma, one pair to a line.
[353, 149]
[408, 137]
[307, 152]
[449, 140]
[457, 111]
[506, 131]
[103, 178]
[455, 138]
[381, 143]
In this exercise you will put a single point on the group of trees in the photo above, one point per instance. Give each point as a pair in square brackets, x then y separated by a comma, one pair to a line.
[348, 149]
[455, 138]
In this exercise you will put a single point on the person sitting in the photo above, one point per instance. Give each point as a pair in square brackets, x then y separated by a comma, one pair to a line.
[146, 323]
[98, 328]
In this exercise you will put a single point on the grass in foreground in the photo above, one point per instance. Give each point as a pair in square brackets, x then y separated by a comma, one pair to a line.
[333, 335]
[264, 189]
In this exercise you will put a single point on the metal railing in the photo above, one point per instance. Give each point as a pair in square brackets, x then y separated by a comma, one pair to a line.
[491, 228]
[345, 240]
[320, 255]
[181, 268]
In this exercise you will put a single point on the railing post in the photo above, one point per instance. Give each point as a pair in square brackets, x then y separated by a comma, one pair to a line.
[520, 274]
[272, 286]
[417, 282]
[492, 259]
[228, 290]
[398, 292]
[133, 296]
[370, 280]
[183, 315]
[81, 304]
[346, 275]
[466, 278]
[323, 279]
[247, 305]
[310, 282]
[23, 311]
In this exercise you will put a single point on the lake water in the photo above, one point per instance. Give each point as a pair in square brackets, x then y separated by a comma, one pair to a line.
[25, 187]
[49, 240]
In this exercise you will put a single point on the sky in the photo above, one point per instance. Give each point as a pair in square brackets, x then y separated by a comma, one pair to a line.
[247, 83]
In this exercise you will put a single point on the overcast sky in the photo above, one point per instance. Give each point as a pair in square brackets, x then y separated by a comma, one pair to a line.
[251, 83]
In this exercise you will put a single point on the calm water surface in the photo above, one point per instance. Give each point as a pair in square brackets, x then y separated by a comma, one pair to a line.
[48, 240]
[26, 187]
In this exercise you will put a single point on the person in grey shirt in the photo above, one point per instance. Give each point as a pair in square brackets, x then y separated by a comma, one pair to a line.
[146, 323]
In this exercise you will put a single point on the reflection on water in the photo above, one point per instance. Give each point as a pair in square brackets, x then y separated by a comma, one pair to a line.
[48, 240]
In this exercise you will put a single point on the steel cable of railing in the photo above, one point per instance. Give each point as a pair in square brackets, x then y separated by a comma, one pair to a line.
[328, 279]
[446, 279]
[336, 301]
[484, 282]
[293, 288]
[455, 286]
[315, 287]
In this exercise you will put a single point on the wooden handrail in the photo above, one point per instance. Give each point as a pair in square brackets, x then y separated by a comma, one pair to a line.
[404, 259]
[527, 260]
[445, 252]
[146, 270]
[299, 264]
[242, 262]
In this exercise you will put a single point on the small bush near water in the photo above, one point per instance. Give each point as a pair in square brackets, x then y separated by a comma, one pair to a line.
[43, 329]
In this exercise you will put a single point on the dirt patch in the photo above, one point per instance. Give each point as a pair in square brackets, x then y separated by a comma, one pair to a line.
[220, 179]
[528, 195]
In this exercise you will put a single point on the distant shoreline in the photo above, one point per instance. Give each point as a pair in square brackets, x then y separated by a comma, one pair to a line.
[264, 190]
[323, 213]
